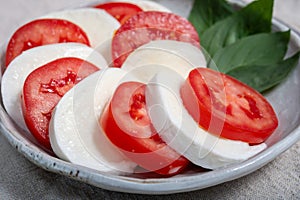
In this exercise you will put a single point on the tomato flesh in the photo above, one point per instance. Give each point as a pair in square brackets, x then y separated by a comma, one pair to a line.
[44, 87]
[147, 26]
[239, 112]
[128, 126]
[120, 10]
[41, 32]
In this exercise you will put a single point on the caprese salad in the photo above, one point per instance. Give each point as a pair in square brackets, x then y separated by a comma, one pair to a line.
[123, 85]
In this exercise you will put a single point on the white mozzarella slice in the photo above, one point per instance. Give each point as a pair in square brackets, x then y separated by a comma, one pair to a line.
[14, 77]
[74, 131]
[96, 23]
[178, 129]
[148, 59]
[105, 50]
[146, 5]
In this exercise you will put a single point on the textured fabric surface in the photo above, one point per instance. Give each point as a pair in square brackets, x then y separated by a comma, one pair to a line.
[20, 179]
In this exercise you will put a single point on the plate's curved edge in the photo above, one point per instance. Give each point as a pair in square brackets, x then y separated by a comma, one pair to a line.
[148, 186]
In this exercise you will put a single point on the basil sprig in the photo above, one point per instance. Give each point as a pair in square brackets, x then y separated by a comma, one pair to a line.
[241, 44]
[252, 19]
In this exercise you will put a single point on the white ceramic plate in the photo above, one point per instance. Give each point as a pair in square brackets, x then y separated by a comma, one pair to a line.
[286, 135]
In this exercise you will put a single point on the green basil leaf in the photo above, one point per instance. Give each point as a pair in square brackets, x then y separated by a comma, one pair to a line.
[264, 77]
[206, 12]
[259, 49]
[221, 34]
[252, 19]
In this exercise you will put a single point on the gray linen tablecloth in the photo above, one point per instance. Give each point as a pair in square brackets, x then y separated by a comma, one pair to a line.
[20, 179]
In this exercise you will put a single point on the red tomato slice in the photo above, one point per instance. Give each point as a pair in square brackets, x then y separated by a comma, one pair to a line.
[243, 113]
[44, 87]
[127, 125]
[120, 10]
[41, 32]
[147, 26]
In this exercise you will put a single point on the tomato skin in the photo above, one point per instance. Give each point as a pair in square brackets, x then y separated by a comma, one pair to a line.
[120, 10]
[245, 114]
[41, 32]
[44, 87]
[148, 26]
[131, 131]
